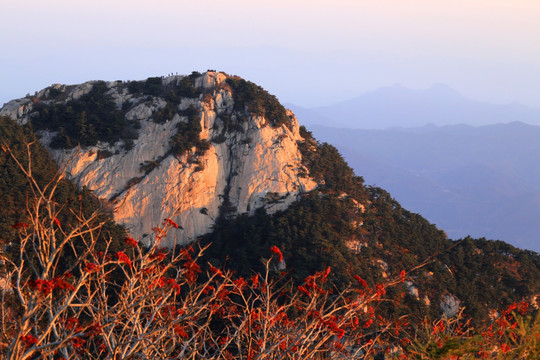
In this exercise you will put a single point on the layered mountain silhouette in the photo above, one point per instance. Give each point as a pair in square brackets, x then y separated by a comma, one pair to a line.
[478, 181]
[398, 106]
[468, 166]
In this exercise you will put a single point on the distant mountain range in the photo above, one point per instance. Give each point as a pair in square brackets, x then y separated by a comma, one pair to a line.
[478, 181]
[397, 106]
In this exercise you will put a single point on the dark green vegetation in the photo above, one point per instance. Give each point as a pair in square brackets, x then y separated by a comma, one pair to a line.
[173, 92]
[489, 272]
[254, 99]
[16, 192]
[94, 116]
[327, 227]
[91, 118]
[188, 134]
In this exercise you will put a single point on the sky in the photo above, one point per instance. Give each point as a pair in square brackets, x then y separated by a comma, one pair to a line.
[309, 53]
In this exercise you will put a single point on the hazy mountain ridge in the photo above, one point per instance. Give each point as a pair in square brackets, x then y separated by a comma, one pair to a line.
[479, 181]
[402, 107]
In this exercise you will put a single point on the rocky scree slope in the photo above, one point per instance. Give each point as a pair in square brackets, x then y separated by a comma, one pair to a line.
[187, 148]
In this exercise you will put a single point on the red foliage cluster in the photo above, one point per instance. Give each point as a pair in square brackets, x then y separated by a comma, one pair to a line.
[165, 282]
[523, 307]
[192, 271]
[102, 256]
[240, 283]
[159, 233]
[158, 256]
[368, 323]
[180, 331]
[380, 289]
[331, 324]
[131, 242]
[282, 319]
[46, 287]
[78, 343]
[505, 335]
[277, 251]
[254, 281]
[186, 252]
[402, 276]
[171, 223]
[216, 271]
[94, 329]
[72, 324]
[311, 282]
[57, 222]
[361, 281]
[90, 267]
[29, 340]
[438, 327]
[123, 258]
[20, 225]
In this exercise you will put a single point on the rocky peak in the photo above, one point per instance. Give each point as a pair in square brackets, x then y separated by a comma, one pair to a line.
[186, 148]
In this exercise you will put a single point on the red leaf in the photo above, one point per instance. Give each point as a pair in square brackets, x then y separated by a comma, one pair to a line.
[170, 222]
[20, 225]
[276, 251]
[131, 242]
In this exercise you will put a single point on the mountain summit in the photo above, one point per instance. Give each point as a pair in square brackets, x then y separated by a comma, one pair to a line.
[189, 148]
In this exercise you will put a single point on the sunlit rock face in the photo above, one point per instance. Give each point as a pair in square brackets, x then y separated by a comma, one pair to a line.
[249, 164]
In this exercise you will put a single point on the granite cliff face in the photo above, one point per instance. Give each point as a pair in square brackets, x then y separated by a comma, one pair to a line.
[248, 162]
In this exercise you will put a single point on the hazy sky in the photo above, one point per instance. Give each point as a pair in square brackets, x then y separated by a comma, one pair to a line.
[306, 52]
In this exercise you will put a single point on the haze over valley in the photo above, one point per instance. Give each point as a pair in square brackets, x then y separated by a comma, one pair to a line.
[478, 181]
[470, 167]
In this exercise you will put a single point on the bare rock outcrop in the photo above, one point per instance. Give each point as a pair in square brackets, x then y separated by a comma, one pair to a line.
[248, 164]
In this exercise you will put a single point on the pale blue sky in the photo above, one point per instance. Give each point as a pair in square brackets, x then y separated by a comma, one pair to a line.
[305, 52]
